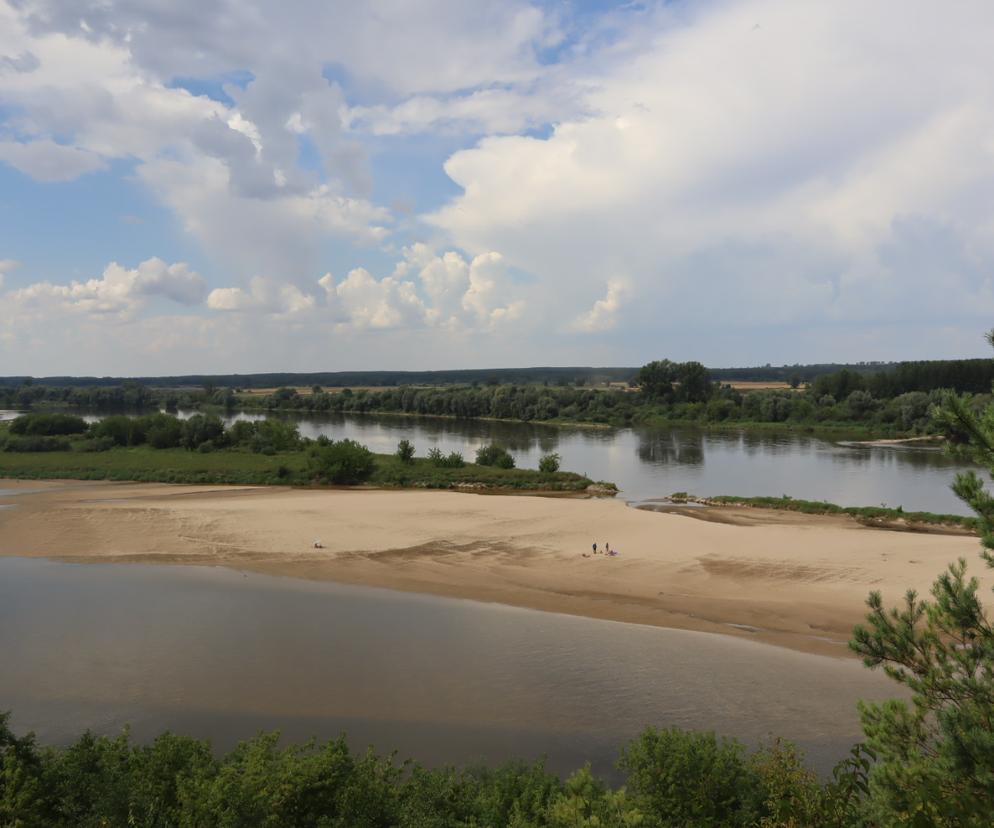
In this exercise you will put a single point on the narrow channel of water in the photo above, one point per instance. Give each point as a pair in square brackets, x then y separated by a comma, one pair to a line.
[220, 654]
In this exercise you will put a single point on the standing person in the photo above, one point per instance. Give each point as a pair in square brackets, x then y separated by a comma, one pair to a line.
[595, 547]
[607, 548]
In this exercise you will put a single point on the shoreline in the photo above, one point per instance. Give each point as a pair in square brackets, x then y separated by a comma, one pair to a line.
[783, 578]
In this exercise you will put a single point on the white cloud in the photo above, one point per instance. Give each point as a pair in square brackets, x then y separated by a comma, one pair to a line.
[746, 176]
[117, 292]
[263, 295]
[47, 161]
[7, 266]
[602, 316]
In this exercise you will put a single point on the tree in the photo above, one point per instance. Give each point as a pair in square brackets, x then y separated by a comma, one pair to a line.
[343, 461]
[656, 378]
[405, 451]
[935, 757]
[494, 455]
[549, 463]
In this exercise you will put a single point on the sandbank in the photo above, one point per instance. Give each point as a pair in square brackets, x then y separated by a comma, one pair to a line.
[792, 580]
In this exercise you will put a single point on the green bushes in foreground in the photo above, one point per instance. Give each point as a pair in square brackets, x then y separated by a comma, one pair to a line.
[674, 778]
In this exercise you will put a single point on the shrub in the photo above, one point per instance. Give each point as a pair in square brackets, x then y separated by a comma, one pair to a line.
[342, 461]
[549, 463]
[48, 425]
[405, 451]
[163, 431]
[692, 779]
[95, 444]
[453, 460]
[202, 427]
[494, 455]
[15, 442]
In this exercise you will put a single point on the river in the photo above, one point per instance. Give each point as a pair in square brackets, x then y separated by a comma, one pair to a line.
[653, 463]
[221, 654]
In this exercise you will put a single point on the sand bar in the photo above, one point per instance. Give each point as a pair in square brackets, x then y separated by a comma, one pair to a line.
[794, 580]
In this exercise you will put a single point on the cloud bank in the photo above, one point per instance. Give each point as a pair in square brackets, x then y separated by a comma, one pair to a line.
[734, 182]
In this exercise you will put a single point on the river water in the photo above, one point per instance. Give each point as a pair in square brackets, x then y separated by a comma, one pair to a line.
[653, 463]
[221, 654]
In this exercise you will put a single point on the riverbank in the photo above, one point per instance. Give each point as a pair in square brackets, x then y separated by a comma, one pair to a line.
[142, 464]
[793, 580]
[880, 517]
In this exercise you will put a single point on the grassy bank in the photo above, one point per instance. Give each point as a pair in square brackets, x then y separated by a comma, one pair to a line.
[232, 466]
[870, 514]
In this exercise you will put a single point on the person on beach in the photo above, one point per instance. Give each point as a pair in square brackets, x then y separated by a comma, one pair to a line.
[607, 549]
[595, 547]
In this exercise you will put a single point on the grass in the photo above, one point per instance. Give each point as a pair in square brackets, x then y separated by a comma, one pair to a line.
[820, 507]
[231, 466]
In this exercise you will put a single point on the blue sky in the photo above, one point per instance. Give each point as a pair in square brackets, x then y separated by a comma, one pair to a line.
[190, 186]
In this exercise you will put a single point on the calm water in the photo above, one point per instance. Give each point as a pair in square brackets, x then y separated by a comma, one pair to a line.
[220, 654]
[653, 463]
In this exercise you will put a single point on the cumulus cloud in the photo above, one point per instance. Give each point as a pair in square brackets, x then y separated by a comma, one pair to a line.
[746, 176]
[800, 176]
[263, 295]
[118, 291]
[46, 160]
[603, 315]
[424, 291]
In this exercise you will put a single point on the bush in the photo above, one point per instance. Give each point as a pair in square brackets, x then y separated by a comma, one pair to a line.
[95, 444]
[163, 431]
[14, 442]
[692, 779]
[124, 431]
[201, 428]
[48, 425]
[549, 463]
[453, 460]
[343, 461]
[494, 455]
[405, 451]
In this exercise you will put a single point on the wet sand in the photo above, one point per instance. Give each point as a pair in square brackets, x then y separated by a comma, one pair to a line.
[792, 580]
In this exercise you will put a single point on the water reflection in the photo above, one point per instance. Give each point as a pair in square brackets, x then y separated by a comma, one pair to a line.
[666, 447]
[650, 463]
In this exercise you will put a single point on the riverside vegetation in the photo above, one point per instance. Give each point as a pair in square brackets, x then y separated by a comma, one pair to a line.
[896, 401]
[163, 448]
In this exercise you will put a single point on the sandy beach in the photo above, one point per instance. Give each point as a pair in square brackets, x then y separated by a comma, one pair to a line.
[793, 580]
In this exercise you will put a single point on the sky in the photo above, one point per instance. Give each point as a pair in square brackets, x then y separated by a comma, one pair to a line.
[243, 186]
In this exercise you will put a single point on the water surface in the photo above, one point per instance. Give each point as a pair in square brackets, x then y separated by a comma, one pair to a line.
[652, 463]
[220, 654]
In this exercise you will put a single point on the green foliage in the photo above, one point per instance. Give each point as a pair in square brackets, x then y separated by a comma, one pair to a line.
[405, 451]
[33, 443]
[47, 425]
[549, 463]
[494, 455]
[697, 779]
[344, 462]
[452, 460]
[935, 756]
[203, 428]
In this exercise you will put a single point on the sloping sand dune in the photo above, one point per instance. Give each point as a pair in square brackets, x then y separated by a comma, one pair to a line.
[795, 581]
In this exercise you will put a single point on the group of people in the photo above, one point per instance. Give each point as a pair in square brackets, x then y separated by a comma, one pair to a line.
[611, 553]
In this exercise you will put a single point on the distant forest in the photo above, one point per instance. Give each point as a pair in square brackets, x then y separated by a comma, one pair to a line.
[875, 400]
[975, 375]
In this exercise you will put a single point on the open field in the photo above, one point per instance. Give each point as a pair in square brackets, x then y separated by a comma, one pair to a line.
[789, 579]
